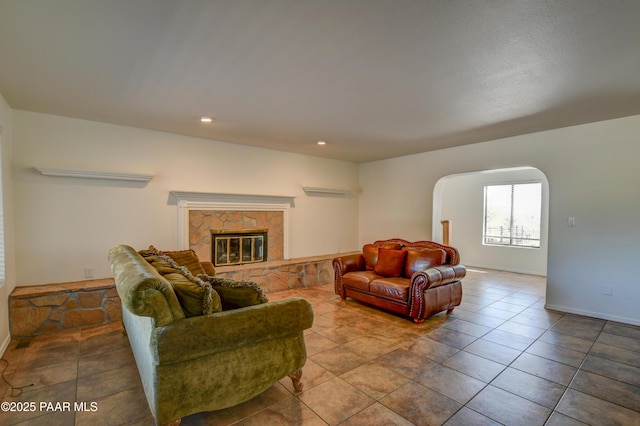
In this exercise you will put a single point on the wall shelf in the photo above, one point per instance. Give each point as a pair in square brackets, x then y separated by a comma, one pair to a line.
[230, 199]
[94, 174]
[313, 191]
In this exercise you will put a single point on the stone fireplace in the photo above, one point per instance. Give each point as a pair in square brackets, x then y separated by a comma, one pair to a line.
[235, 231]
[201, 214]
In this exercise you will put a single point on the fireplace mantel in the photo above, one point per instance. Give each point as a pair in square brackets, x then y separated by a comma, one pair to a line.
[230, 199]
[187, 201]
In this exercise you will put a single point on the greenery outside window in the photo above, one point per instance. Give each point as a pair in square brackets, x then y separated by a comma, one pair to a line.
[512, 215]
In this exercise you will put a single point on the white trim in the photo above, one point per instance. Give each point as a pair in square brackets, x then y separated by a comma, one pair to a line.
[592, 314]
[94, 174]
[504, 268]
[5, 345]
[187, 201]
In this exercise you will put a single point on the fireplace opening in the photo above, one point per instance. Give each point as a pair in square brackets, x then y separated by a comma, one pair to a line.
[238, 247]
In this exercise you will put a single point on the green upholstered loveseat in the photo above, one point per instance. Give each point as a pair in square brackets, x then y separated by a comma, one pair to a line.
[204, 362]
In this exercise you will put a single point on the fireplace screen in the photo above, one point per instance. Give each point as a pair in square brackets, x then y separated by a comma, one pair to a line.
[238, 247]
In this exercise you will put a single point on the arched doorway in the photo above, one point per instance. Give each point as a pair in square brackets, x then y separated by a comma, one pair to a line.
[459, 198]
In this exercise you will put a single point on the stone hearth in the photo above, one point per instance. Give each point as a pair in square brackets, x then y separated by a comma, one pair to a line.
[51, 308]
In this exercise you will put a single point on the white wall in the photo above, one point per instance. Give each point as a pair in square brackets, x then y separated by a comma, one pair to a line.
[462, 203]
[64, 225]
[592, 171]
[6, 136]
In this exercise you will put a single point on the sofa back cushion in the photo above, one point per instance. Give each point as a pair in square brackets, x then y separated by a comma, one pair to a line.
[419, 259]
[391, 263]
[370, 253]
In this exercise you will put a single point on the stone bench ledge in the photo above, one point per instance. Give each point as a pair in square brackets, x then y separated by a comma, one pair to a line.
[30, 291]
[271, 264]
[53, 308]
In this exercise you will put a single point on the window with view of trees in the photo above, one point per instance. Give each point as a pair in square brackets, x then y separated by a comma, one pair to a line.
[512, 214]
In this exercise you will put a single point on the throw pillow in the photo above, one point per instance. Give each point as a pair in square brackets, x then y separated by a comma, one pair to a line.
[390, 262]
[163, 267]
[186, 258]
[192, 297]
[196, 296]
[151, 251]
[419, 259]
[236, 294]
[370, 253]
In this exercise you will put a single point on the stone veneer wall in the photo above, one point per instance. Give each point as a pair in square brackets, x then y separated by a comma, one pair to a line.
[201, 222]
[283, 275]
[51, 308]
[46, 309]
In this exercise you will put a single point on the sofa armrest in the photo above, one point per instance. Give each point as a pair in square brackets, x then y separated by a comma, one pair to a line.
[348, 263]
[204, 335]
[430, 278]
[141, 289]
[437, 276]
[342, 265]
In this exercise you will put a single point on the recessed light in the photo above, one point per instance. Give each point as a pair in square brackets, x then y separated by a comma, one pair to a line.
[204, 119]
[322, 143]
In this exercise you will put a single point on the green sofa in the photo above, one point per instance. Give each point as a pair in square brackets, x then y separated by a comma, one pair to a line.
[191, 364]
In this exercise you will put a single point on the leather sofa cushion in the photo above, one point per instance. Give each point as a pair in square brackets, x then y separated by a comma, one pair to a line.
[370, 253]
[419, 259]
[394, 288]
[391, 263]
[359, 279]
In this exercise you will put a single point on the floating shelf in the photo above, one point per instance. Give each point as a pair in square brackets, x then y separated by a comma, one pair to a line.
[222, 198]
[326, 192]
[93, 174]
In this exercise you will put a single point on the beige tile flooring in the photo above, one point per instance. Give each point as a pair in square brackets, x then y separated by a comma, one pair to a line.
[500, 358]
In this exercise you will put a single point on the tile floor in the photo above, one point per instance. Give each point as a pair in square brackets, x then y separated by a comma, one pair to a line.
[500, 358]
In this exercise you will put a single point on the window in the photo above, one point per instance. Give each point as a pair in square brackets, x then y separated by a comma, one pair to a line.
[512, 214]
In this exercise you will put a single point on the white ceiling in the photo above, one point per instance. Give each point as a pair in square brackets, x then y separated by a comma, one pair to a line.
[374, 78]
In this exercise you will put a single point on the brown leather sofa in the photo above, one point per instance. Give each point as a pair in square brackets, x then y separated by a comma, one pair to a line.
[415, 279]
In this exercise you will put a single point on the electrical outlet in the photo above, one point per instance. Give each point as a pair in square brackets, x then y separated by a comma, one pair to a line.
[571, 221]
[88, 271]
[607, 291]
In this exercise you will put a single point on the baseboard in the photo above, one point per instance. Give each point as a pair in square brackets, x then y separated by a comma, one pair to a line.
[500, 268]
[599, 315]
[5, 345]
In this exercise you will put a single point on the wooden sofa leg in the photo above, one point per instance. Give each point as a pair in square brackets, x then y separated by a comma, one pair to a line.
[449, 311]
[296, 376]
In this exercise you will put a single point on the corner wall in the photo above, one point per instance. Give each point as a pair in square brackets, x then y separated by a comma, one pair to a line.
[6, 133]
[592, 173]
